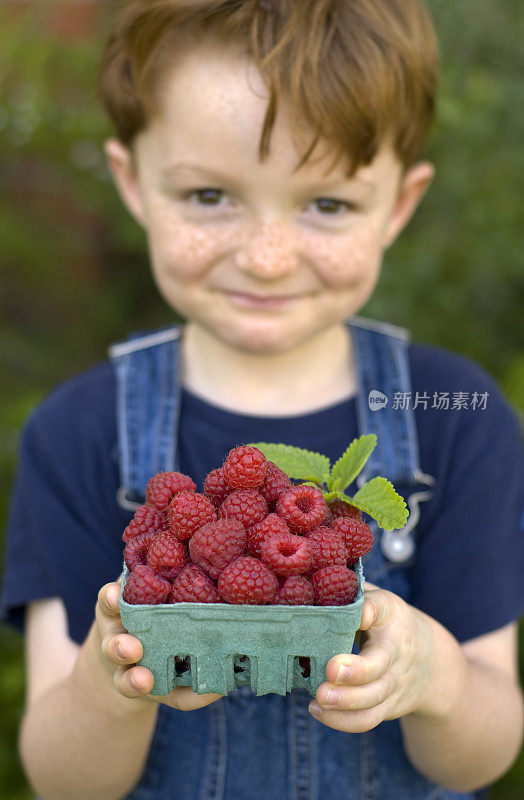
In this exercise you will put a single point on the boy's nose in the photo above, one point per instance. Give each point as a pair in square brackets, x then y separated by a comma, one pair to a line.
[268, 252]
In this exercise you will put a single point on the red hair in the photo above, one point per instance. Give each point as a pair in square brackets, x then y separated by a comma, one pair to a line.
[355, 71]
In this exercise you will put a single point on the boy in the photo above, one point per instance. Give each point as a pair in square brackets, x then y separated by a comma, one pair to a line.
[267, 260]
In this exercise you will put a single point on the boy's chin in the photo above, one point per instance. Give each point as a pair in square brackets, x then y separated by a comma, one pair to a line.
[266, 342]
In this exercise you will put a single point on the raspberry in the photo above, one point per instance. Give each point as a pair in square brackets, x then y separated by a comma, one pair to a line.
[167, 555]
[328, 518]
[271, 525]
[334, 586]
[357, 535]
[216, 488]
[286, 554]
[327, 548]
[296, 591]
[302, 507]
[163, 486]
[217, 544]
[247, 580]
[193, 586]
[275, 482]
[135, 551]
[341, 509]
[245, 467]
[146, 519]
[187, 512]
[144, 586]
[245, 505]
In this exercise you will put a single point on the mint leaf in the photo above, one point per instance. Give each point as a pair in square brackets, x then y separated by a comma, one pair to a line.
[379, 499]
[351, 462]
[296, 462]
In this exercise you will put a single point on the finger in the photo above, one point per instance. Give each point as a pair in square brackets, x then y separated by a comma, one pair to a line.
[107, 614]
[108, 601]
[133, 681]
[122, 648]
[355, 670]
[184, 698]
[377, 608]
[356, 698]
[350, 721]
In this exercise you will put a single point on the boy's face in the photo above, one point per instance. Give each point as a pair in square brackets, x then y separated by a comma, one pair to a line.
[262, 258]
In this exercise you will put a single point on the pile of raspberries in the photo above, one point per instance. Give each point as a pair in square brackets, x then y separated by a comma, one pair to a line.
[253, 537]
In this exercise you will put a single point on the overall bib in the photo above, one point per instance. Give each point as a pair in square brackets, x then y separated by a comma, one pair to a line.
[270, 747]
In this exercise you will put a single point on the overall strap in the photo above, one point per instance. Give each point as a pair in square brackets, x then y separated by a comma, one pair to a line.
[383, 378]
[148, 404]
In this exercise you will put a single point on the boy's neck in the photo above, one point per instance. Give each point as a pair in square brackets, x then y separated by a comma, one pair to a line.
[317, 374]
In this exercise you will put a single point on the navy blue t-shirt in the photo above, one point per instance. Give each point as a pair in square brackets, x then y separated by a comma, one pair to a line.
[65, 526]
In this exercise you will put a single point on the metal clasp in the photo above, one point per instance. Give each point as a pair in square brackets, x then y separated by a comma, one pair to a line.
[399, 546]
[124, 502]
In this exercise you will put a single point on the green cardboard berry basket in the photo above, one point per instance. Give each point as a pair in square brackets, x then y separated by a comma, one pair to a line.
[214, 647]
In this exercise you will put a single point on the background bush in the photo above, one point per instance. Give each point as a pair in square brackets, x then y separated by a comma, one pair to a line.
[74, 265]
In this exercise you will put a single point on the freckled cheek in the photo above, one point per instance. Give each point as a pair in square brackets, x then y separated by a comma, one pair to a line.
[183, 252]
[348, 260]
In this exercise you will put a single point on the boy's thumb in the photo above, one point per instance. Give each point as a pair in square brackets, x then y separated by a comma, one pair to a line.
[375, 610]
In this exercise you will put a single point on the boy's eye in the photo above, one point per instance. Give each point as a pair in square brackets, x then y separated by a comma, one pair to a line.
[329, 206]
[207, 197]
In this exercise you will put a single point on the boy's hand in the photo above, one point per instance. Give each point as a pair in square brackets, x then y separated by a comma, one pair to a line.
[119, 652]
[390, 676]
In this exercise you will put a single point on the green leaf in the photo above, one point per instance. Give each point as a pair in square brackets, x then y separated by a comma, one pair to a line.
[379, 499]
[351, 462]
[297, 463]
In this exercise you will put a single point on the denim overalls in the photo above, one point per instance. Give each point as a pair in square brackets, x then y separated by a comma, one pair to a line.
[269, 747]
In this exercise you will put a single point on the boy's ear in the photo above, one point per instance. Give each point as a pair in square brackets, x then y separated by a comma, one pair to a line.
[122, 168]
[413, 186]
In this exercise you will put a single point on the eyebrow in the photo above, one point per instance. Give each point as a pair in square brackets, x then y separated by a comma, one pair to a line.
[174, 170]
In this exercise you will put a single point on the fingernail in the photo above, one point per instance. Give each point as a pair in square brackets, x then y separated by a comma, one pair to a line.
[120, 653]
[112, 599]
[332, 697]
[314, 708]
[134, 684]
[344, 674]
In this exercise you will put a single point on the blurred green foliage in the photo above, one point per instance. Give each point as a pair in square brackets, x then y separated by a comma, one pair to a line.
[74, 265]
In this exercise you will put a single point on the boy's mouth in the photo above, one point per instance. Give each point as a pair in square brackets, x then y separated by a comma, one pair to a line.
[260, 301]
